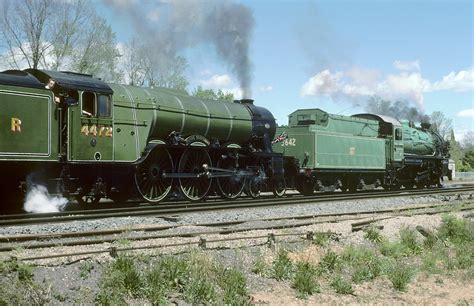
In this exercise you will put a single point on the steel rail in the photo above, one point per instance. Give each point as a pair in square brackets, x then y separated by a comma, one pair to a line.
[314, 219]
[166, 211]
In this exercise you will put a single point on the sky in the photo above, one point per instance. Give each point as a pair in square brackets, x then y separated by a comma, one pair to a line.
[335, 55]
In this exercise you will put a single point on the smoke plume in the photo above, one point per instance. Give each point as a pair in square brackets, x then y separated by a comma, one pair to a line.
[173, 26]
[397, 109]
[38, 200]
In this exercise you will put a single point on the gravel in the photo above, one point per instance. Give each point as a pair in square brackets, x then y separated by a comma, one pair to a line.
[230, 215]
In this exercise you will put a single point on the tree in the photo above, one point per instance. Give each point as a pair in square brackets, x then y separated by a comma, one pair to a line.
[57, 35]
[441, 124]
[468, 140]
[25, 31]
[210, 94]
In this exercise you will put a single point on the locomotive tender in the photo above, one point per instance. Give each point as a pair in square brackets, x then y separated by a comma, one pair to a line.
[87, 139]
[348, 152]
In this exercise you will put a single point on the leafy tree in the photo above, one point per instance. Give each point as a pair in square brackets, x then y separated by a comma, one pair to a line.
[468, 160]
[210, 94]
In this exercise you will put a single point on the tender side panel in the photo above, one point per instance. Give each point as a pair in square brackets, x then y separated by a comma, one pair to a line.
[348, 152]
[26, 127]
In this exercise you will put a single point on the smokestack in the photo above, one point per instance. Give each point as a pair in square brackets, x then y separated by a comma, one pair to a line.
[247, 101]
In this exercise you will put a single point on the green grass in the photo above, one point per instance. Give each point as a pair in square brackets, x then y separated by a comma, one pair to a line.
[409, 240]
[321, 238]
[364, 263]
[400, 274]
[340, 285]
[456, 231]
[282, 267]
[304, 280]
[373, 234]
[329, 262]
[85, 268]
[259, 267]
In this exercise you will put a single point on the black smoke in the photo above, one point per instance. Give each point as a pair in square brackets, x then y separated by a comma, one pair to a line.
[182, 24]
[397, 109]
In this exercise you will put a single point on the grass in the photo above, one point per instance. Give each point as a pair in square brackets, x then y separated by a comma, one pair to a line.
[456, 231]
[282, 267]
[342, 286]
[329, 262]
[85, 268]
[321, 238]
[304, 280]
[193, 277]
[400, 274]
[409, 241]
[365, 264]
[373, 235]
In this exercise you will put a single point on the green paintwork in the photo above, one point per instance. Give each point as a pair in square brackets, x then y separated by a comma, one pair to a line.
[417, 141]
[142, 115]
[37, 138]
[333, 141]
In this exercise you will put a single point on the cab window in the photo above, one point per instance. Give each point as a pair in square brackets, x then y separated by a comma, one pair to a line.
[104, 106]
[88, 104]
[398, 134]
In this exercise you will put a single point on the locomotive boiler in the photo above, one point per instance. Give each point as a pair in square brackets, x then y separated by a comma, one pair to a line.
[87, 139]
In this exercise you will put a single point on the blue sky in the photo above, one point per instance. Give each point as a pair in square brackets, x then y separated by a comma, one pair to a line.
[332, 54]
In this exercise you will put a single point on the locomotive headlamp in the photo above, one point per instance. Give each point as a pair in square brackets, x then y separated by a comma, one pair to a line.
[267, 125]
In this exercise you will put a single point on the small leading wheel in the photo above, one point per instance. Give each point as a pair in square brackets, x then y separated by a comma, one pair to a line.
[194, 161]
[279, 188]
[230, 187]
[254, 187]
[149, 175]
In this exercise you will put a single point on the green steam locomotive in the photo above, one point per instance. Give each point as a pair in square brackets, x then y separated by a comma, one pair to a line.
[86, 139]
[325, 151]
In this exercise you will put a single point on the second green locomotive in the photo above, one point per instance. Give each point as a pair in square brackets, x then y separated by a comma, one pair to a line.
[324, 151]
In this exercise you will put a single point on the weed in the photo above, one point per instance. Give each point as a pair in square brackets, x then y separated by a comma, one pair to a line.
[393, 249]
[365, 263]
[408, 239]
[329, 262]
[259, 266]
[373, 234]
[400, 275]
[430, 241]
[456, 230]
[85, 268]
[25, 272]
[200, 290]
[341, 285]
[321, 238]
[304, 280]
[282, 267]
[234, 284]
[431, 262]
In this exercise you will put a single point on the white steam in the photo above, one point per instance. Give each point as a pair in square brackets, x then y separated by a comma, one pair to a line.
[38, 200]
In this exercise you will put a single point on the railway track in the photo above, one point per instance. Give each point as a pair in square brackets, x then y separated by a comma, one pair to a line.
[360, 219]
[170, 209]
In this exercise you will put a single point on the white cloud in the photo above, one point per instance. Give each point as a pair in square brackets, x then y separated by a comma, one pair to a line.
[217, 81]
[407, 66]
[466, 113]
[405, 85]
[457, 81]
[266, 88]
[153, 15]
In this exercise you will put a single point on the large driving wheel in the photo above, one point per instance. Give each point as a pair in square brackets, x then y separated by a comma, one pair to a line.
[231, 186]
[193, 162]
[149, 175]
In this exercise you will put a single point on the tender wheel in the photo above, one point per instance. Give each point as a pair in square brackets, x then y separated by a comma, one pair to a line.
[194, 161]
[254, 187]
[230, 187]
[279, 188]
[149, 180]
